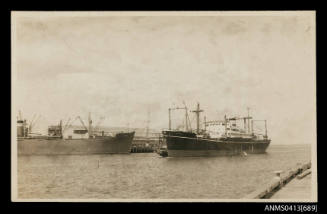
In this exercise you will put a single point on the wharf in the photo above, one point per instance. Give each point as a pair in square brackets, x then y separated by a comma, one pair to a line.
[295, 189]
[144, 144]
[294, 184]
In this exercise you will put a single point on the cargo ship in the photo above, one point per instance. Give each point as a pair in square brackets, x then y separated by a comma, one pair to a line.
[59, 141]
[218, 138]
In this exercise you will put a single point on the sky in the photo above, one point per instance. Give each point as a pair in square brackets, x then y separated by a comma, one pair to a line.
[122, 67]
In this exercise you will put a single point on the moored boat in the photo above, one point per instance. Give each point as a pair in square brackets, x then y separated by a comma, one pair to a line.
[217, 139]
[79, 141]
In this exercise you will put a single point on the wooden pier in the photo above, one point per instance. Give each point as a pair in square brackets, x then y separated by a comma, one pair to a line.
[298, 188]
[282, 178]
[144, 144]
[142, 149]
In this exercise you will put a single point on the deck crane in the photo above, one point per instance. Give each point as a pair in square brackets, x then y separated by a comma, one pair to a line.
[33, 122]
[90, 131]
[33, 118]
[66, 125]
[80, 119]
[187, 119]
[70, 124]
[186, 115]
[246, 121]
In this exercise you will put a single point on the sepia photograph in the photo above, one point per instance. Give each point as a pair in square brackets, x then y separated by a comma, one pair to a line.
[206, 106]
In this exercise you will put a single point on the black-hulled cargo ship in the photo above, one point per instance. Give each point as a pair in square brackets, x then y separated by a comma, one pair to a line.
[218, 138]
[79, 141]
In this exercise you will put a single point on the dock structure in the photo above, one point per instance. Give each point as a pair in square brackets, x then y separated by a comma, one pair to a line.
[144, 144]
[297, 188]
[298, 177]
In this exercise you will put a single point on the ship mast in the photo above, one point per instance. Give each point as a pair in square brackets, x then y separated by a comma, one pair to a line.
[90, 125]
[147, 125]
[33, 122]
[20, 115]
[266, 131]
[252, 127]
[60, 128]
[186, 124]
[186, 116]
[187, 120]
[225, 118]
[169, 115]
[205, 125]
[66, 125]
[248, 120]
[266, 134]
[197, 112]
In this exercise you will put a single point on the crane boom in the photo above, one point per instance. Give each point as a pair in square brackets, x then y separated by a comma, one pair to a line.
[66, 125]
[33, 118]
[33, 122]
[36, 120]
[187, 119]
[186, 115]
[80, 119]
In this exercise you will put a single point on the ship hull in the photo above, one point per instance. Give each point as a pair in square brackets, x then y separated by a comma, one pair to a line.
[119, 144]
[178, 146]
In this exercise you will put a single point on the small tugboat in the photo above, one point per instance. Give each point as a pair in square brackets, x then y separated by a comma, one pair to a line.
[162, 147]
[162, 152]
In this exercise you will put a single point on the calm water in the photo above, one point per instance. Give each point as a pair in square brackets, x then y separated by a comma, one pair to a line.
[143, 176]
